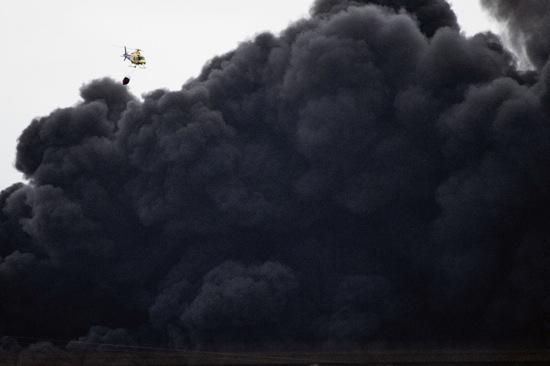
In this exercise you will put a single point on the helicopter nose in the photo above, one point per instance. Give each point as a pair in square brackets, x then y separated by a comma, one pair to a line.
[125, 81]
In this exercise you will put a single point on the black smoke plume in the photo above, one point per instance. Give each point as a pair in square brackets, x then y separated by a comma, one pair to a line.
[368, 176]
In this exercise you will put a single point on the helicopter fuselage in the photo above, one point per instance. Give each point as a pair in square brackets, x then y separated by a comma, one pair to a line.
[137, 58]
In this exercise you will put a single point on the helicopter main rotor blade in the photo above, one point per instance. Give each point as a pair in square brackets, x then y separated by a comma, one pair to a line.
[126, 47]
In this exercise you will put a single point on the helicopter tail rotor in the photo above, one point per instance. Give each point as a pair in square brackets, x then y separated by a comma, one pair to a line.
[125, 56]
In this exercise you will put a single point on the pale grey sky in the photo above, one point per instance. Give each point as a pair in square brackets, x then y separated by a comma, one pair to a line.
[51, 47]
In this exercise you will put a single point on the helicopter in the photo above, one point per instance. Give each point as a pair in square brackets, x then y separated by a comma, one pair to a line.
[136, 59]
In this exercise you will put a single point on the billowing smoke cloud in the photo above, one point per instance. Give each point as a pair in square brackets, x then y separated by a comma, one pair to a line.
[431, 15]
[528, 22]
[369, 175]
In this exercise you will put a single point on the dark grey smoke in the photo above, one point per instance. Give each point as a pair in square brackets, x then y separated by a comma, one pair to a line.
[431, 15]
[368, 176]
[529, 24]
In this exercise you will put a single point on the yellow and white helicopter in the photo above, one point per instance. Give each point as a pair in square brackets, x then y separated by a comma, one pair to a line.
[136, 58]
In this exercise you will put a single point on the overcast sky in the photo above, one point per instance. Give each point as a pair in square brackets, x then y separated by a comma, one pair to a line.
[52, 47]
